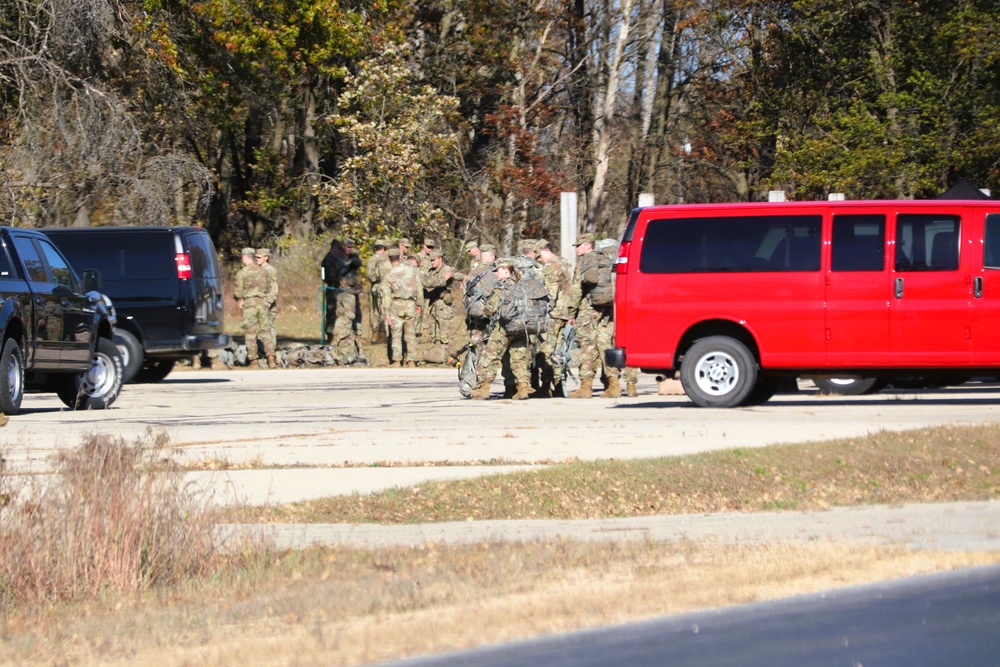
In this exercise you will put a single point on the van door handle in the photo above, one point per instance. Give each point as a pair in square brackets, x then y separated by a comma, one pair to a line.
[977, 287]
[899, 288]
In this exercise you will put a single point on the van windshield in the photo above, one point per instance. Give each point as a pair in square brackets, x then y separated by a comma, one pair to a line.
[732, 244]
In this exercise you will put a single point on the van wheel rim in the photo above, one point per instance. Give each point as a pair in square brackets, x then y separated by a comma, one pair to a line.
[100, 379]
[717, 374]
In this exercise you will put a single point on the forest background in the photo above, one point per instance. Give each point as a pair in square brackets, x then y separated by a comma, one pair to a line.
[287, 121]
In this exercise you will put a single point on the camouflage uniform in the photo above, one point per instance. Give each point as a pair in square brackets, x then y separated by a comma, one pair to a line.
[556, 274]
[438, 284]
[252, 288]
[377, 268]
[402, 294]
[594, 324]
[517, 347]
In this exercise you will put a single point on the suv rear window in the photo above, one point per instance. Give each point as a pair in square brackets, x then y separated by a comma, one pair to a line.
[732, 244]
[133, 256]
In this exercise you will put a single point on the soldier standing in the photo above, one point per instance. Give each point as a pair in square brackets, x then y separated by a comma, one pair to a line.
[439, 280]
[340, 269]
[270, 334]
[377, 268]
[594, 323]
[556, 274]
[249, 291]
[402, 292]
[472, 248]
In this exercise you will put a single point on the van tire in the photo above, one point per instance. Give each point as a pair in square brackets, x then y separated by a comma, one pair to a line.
[11, 377]
[849, 386]
[154, 370]
[131, 350]
[718, 372]
[99, 386]
[767, 386]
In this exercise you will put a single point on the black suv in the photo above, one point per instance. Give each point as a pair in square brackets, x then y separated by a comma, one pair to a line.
[166, 285]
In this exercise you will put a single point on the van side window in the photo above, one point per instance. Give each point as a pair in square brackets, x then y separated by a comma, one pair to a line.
[858, 243]
[927, 242]
[991, 242]
[732, 244]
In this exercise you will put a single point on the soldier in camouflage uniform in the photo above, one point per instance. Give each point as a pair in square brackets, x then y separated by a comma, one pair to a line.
[377, 268]
[263, 257]
[472, 248]
[249, 291]
[439, 281]
[556, 274]
[516, 346]
[402, 293]
[594, 324]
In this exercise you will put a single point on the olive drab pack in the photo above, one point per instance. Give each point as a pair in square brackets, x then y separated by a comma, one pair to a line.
[477, 291]
[524, 307]
[598, 276]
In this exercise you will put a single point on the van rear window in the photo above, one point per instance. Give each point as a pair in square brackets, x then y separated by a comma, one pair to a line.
[131, 256]
[732, 244]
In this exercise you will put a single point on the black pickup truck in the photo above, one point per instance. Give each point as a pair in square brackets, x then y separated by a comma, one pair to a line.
[58, 331]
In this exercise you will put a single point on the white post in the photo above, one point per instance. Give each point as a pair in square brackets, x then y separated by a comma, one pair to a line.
[568, 226]
[646, 199]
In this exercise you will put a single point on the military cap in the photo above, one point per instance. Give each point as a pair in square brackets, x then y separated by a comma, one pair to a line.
[405, 241]
[470, 244]
[488, 247]
[263, 252]
[584, 238]
[248, 251]
[434, 254]
[430, 243]
[393, 253]
[382, 242]
[541, 244]
[503, 263]
[348, 241]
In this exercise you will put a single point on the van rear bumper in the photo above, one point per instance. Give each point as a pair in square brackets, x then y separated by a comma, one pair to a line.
[206, 342]
[615, 357]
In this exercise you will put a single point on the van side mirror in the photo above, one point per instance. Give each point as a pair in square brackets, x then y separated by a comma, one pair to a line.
[91, 280]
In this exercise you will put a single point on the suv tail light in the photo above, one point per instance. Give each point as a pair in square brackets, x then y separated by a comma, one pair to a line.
[183, 265]
[621, 264]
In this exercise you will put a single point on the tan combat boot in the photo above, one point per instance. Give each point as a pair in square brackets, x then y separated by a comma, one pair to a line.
[630, 390]
[586, 389]
[613, 390]
[252, 364]
[481, 392]
[271, 361]
[410, 364]
[523, 391]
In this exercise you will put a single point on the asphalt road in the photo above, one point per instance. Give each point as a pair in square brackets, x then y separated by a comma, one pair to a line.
[287, 435]
[941, 620]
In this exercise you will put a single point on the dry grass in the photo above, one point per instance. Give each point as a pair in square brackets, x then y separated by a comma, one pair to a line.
[927, 465]
[114, 518]
[349, 607]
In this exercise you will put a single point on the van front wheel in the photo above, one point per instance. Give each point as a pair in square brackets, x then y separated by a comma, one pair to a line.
[718, 372]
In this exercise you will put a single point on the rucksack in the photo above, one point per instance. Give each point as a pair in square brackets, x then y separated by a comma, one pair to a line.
[598, 277]
[524, 307]
[477, 291]
[527, 267]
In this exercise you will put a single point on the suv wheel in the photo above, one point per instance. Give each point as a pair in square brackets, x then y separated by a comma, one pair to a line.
[98, 387]
[718, 372]
[131, 350]
[11, 377]
[154, 370]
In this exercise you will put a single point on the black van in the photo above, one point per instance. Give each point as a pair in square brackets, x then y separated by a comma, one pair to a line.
[166, 285]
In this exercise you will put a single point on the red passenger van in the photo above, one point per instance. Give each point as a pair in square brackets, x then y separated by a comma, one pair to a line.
[737, 296]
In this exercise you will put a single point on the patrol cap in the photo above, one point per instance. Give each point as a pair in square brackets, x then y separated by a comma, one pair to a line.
[430, 243]
[584, 238]
[435, 254]
[488, 247]
[405, 241]
[526, 244]
[541, 244]
[470, 244]
[248, 251]
[393, 253]
[382, 242]
[503, 264]
[262, 252]
[348, 241]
